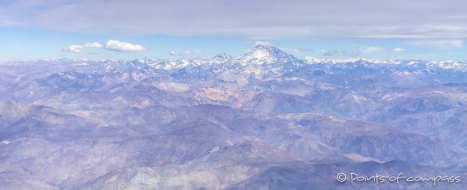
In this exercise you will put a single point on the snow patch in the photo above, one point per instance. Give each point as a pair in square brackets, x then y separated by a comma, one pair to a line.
[5, 142]
[172, 86]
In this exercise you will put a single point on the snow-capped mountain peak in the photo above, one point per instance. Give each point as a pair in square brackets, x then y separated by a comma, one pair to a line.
[222, 56]
[264, 54]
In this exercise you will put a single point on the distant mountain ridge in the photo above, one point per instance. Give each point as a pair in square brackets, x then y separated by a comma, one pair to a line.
[265, 54]
[263, 120]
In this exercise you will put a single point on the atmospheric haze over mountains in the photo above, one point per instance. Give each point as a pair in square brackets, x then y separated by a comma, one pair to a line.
[264, 120]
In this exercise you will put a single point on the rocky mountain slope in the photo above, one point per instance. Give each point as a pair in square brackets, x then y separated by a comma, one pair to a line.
[264, 120]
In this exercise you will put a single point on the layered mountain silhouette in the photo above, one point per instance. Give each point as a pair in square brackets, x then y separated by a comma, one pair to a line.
[264, 120]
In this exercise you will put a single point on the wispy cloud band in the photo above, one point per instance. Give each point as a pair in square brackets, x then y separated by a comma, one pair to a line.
[437, 43]
[186, 52]
[272, 19]
[112, 45]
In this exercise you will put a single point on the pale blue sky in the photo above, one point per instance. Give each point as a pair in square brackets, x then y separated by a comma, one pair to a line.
[54, 29]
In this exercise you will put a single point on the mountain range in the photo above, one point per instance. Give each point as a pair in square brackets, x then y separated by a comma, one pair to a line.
[264, 120]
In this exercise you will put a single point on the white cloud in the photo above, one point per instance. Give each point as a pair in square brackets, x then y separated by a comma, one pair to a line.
[373, 49]
[437, 43]
[73, 49]
[279, 19]
[398, 49]
[305, 49]
[186, 52]
[264, 43]
[297, 50]
[9, 23]
[290, 49]
[118, 46]
[93, 45]
[331, 53]
[80, 48]
[341, 52]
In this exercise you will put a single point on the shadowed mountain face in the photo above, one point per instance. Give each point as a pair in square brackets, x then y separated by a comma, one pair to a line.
[265, 120]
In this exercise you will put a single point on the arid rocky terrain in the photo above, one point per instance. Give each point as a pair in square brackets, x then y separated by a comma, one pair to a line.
[264, 120]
